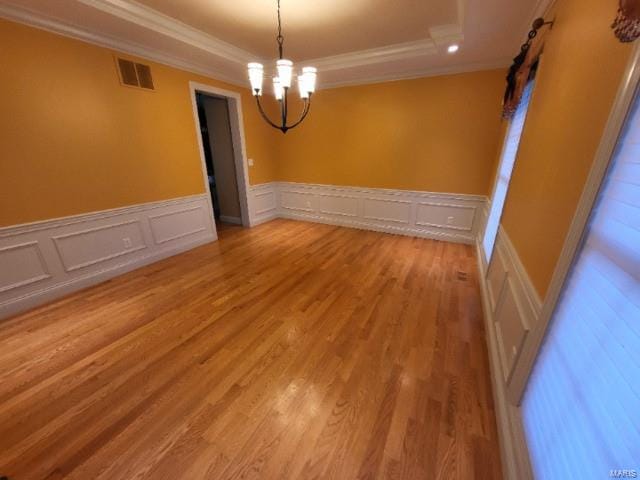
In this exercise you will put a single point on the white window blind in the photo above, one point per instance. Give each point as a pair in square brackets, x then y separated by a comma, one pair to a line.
[581, 409]
[507, 161]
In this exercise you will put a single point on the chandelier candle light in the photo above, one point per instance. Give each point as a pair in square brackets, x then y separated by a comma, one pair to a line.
[282, 84]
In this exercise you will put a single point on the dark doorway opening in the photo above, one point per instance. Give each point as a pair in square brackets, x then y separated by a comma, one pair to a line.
[217, 142]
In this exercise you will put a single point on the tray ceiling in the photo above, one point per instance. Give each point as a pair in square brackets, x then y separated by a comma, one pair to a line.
[312, 29]
[355, 41]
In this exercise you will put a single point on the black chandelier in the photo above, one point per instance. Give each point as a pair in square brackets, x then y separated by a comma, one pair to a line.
[282, 84]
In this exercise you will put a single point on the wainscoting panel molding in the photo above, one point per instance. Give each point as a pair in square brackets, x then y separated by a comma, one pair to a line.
[441, 216]
[387, 210]
[175, 224]
[41, 261]
[454, 217]
[512, 307]
[264, 203]
[343, 205]
[20, 265]
[78, 249]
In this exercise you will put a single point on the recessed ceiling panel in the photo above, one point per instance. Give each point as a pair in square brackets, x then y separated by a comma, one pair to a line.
[350, 41]
[312, 29]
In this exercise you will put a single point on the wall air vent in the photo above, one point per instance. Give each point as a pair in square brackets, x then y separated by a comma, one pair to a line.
[135, 74]
[144, 76]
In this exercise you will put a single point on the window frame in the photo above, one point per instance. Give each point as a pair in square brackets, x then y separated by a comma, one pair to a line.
[625, 97]
[486, 259]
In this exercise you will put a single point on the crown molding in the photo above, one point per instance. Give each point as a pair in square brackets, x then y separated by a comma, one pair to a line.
[132, 11]
[423, 73]
[151, 19]
[54, 25]
[445, 35]
[400, 51]
[139, 14]
[440, 37]
[371, 56]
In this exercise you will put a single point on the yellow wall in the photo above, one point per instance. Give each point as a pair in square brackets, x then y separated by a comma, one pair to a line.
[436, 134]
[580, 73]
[73, 140]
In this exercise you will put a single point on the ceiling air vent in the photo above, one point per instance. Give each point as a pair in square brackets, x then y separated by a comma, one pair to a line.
[135, 74]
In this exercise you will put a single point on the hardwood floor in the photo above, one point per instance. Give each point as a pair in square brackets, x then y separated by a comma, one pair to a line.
[291, 350]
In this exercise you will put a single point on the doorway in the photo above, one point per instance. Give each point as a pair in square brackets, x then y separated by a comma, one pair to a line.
[215, 129]
[218, 117]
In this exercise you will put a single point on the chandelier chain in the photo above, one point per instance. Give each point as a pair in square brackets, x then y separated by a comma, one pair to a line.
[280, 38]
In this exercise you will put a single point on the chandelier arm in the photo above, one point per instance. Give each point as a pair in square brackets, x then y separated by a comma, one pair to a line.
[305, 112]
[264, 115]
[285, 107]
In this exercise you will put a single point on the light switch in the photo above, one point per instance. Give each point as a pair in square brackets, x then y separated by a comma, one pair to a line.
[250, 161]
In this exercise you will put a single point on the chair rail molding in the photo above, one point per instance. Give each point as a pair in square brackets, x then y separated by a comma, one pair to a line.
[441, 216]
[44, 260]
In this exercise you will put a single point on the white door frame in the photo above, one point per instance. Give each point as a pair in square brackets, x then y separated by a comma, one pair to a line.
[234, 101]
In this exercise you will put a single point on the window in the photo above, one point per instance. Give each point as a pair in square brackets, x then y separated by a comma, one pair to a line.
[581, 409]
[509, 152]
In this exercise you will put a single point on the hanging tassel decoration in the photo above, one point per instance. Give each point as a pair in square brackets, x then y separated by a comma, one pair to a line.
[626, 26]
[523, 68]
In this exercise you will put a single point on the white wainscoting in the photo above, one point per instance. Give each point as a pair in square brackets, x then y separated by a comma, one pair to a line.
[41, 261]
[264, 203]
[512, 308]
[442, 216]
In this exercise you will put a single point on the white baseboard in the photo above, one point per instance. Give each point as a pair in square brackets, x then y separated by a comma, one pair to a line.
[511, 308]
[234, 220]
[441, 216]
[44, 260]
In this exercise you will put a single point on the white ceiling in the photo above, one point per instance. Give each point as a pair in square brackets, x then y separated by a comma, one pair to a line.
[350, 41]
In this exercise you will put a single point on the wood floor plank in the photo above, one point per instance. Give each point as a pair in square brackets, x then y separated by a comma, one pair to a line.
[288, 351]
